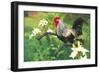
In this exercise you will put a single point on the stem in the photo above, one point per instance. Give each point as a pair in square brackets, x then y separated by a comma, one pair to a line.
[45, 34]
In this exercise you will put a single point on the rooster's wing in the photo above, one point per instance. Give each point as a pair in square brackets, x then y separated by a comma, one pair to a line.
[68, 32]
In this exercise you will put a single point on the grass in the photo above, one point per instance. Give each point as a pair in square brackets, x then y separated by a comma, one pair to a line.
[46, 49]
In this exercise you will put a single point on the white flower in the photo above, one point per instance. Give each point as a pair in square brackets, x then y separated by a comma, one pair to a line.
[43, 22]
[76, 50]
[49, 30]
[34, 32]
[73, 54]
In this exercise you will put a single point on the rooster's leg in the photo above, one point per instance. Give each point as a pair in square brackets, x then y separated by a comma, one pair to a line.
[45, 34]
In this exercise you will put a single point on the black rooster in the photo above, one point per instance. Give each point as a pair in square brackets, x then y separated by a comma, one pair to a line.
[68, 35]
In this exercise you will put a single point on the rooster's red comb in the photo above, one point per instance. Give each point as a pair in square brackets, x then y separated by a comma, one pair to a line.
[57, 17]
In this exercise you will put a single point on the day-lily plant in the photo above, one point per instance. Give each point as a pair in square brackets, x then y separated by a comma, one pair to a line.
[34, 32]
[76, 50]
[43, 22]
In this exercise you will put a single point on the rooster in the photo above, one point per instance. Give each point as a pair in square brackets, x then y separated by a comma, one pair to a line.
[65, 34]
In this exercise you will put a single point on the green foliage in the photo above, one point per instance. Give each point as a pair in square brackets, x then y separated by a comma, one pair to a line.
[47, 48]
